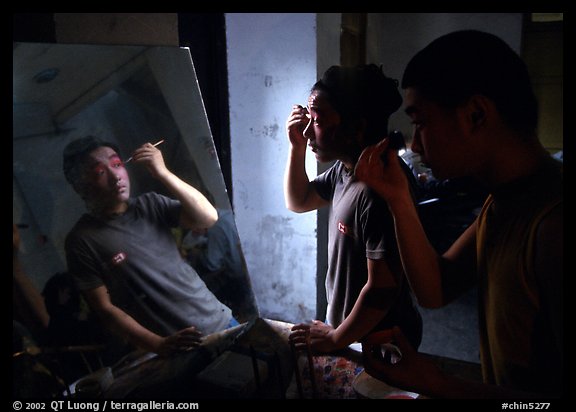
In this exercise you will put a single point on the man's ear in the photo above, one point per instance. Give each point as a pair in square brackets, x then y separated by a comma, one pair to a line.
[477, 117]
[478, 109]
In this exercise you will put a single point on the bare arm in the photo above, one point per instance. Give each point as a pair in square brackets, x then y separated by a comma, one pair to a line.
[119, 322]
[374, 301]
[299, 194]
[372, 304]
[197, 211]
[418, 373]
[435, 280]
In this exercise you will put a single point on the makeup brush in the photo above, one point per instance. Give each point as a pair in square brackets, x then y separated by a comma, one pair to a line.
[154, 145]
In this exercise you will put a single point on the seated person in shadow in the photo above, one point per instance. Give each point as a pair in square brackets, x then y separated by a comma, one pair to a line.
[348, 110]
[48, 328]
[31, 376]
[124, 257]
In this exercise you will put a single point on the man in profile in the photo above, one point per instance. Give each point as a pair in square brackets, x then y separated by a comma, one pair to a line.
[474, 113]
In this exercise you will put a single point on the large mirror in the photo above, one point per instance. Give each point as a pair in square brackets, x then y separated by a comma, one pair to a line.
[128, 95]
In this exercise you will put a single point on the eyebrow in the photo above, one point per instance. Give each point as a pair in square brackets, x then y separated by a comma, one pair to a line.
[96, 162]
[113, 156]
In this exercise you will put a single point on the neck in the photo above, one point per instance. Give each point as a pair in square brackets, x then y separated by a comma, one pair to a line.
[351, 156]
[512, 163]
[108, 212]
[348, 165]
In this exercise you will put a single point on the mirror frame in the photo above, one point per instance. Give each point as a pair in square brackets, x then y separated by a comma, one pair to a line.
[47, 115]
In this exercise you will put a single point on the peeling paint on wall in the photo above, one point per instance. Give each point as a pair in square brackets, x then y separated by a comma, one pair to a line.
[266, 131]
[283, 294]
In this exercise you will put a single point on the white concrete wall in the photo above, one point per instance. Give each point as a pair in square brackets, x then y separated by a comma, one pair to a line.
[271, 66]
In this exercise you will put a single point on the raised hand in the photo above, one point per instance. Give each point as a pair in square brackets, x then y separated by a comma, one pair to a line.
[295, 125]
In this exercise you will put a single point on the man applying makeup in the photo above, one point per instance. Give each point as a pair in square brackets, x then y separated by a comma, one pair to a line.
[124, 257]
[348, 110]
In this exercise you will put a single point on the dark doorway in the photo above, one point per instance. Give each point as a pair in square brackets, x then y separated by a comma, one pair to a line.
[205, 35]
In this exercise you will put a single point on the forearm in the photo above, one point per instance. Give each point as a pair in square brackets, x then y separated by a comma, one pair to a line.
[419, 259]
[370, 308]
[123, 325]
[421, 374]
[198, 212]
[296, 182]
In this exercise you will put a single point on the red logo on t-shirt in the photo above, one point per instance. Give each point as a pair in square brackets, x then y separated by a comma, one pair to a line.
[343, 228]
[118, 258]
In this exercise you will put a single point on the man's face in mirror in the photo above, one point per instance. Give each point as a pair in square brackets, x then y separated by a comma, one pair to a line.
[105, 181]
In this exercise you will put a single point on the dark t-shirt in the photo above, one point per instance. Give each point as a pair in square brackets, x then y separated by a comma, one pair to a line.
[360, 227]
[136, 257]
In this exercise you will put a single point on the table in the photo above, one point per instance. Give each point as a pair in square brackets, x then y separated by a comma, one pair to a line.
[254, 361]
[251, 360]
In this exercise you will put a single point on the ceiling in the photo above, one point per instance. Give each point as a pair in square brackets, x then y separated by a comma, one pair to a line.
[82, 73]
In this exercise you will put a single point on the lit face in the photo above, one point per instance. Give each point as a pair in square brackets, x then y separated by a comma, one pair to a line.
[323, 129]
[106, 184]
[439, 135]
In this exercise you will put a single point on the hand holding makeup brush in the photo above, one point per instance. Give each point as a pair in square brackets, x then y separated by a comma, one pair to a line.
[151, 157]
[154, 145]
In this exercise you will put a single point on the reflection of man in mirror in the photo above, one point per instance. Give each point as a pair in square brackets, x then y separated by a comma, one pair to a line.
[124, 257]
[348, 109]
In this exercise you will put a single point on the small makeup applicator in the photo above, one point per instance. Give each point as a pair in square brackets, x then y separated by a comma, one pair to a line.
[155, 144]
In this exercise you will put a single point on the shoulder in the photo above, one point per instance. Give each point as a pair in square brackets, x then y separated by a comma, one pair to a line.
[325, 183]
[149, 197]
[367, 203]
[548, 199]
[546, 245]
[367, 196]
[331, 173]
[153, 200]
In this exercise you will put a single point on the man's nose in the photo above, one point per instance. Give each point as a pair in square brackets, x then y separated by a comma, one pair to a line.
[114, 176]
[415, 146]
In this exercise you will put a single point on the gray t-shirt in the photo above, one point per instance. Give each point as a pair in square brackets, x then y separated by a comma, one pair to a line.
[360, 227]
[136, 257]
